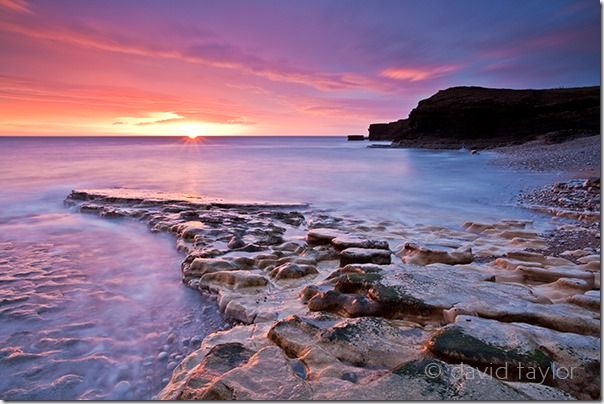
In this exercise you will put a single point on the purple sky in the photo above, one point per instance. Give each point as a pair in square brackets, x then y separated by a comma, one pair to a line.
[273, 67]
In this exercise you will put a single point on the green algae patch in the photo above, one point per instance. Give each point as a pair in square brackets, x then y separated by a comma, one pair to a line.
[455, 345]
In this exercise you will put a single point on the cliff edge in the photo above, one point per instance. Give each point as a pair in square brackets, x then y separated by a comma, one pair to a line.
[478, 117]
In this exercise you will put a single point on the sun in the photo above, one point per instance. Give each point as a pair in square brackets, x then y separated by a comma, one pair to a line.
[192, 136]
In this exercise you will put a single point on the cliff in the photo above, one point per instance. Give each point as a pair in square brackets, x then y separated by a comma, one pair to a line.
[486, 117]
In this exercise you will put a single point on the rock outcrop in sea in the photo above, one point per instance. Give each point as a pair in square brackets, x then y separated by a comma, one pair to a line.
[477, 117]
[330, 307]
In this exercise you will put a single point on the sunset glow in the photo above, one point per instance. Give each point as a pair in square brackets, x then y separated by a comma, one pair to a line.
[244, 68]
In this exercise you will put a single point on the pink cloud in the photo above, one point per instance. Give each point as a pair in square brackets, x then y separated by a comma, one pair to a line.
[418, 74]
[213, 54]
[17, 6]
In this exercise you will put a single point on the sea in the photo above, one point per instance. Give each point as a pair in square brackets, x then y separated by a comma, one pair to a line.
[92, 308]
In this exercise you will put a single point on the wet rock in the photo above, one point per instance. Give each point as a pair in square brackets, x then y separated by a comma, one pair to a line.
[305, 260]
[201, 266]
[375, 347]
[414, 293]
[553, 274]
[233, 279]
[121, 390]
[290, 246]
[308, 292]
[362, 342]
[589, 300]
[529, 353]
[343, 242]
[162, 356]
[412, 253]
[293, 271]
[440, 294]
[321, 235]
[219, 360]
[351, 305]
[244, 262]
[562, 289]
[188, 230]
[557, 316]
[364, 255]
[235, 243]
[430, 379]
[267, 375]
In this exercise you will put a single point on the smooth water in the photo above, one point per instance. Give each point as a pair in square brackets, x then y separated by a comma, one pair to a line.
[87, 304]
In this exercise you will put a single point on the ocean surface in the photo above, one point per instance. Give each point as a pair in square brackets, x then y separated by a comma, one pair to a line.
[89, 305]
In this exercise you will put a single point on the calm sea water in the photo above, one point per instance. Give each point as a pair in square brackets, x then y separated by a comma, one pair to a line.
[87, 305]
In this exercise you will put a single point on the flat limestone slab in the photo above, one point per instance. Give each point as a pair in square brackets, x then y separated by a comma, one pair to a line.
[530, 353]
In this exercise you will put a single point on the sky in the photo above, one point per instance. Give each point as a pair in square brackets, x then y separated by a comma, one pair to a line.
[273, 67]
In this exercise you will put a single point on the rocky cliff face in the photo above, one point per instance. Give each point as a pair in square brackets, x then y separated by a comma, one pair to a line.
[486, 117]
[388, 131]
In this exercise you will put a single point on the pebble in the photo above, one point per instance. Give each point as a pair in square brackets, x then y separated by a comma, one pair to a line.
[121, 389]
[171, 365]
[162, 355]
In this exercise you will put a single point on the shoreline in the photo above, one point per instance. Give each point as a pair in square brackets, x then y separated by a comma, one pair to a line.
[574, 201]
[314, 293]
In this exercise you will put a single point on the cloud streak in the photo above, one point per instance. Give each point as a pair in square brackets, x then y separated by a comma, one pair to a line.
[419, 73]
[17, 6]
[218, 55]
